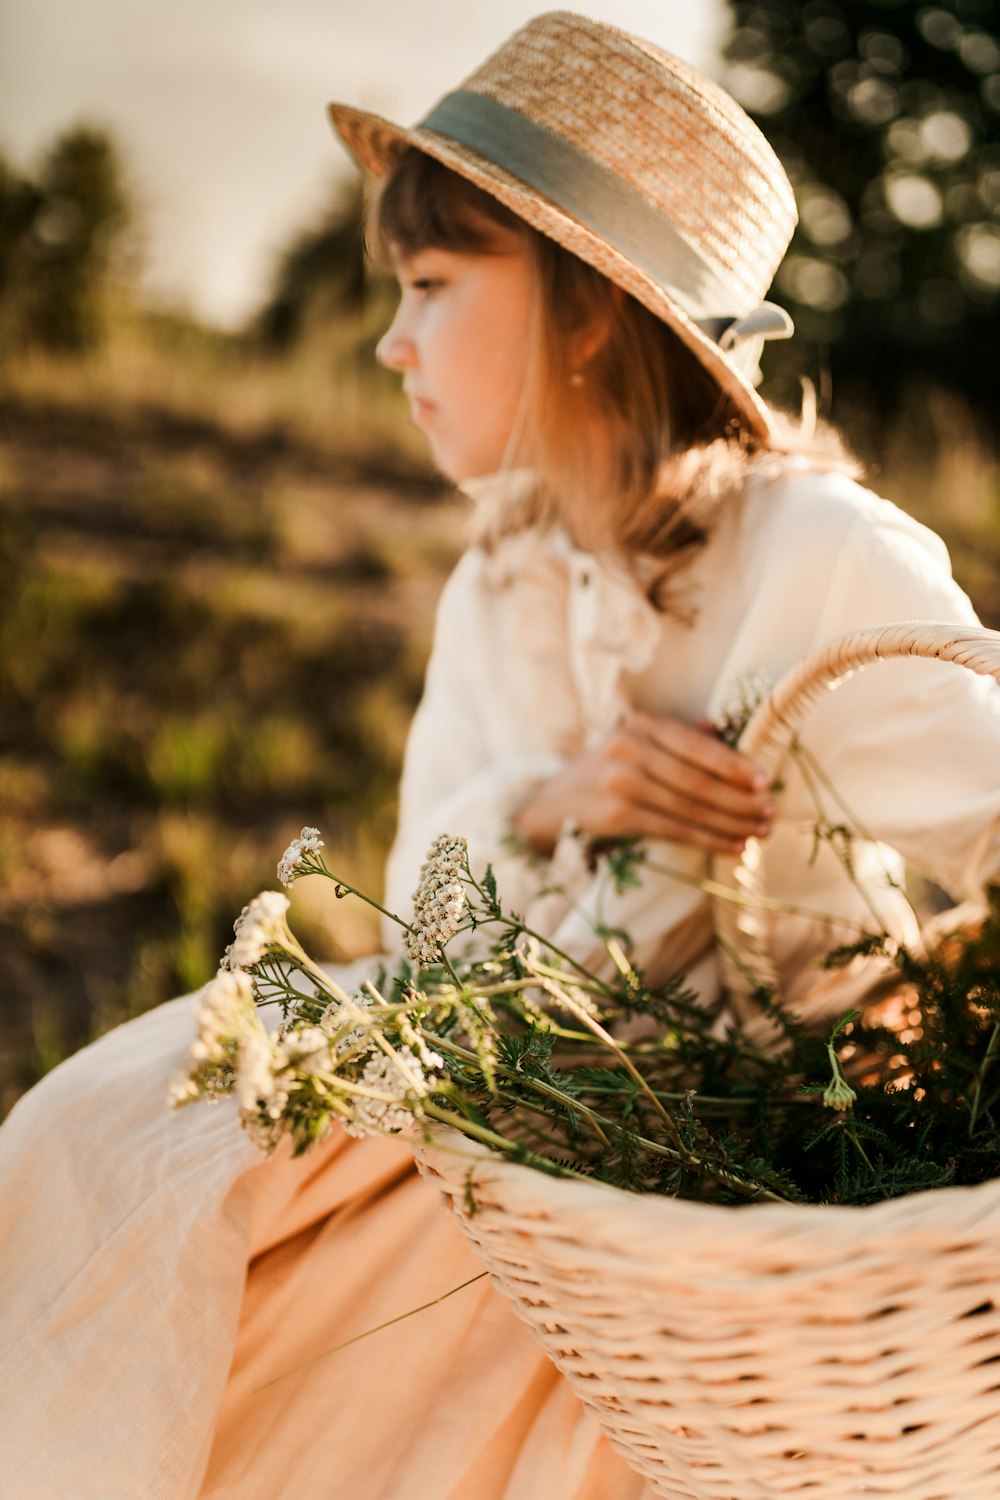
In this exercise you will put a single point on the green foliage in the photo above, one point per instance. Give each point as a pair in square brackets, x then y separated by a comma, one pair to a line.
[925, 1115]
[624, 860]
[887, 117]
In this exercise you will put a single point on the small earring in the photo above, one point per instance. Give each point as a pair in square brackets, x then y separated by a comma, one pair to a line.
[576, 378]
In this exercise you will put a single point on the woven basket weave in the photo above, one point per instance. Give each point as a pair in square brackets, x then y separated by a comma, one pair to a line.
[770, 1350]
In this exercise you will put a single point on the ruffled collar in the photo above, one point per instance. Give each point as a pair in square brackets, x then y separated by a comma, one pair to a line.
[612, 628]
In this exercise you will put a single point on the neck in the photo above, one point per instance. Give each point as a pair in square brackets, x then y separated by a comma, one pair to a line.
[586, 501]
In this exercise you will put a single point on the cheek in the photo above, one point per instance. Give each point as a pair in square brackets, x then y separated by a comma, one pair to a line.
[478, 346]
[502, 358]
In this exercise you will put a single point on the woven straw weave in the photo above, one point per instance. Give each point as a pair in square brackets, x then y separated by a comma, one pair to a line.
[770, 1350]
[694, 143]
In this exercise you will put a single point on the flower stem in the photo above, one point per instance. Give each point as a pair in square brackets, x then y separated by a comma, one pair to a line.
[352, 890]
[401, 1317]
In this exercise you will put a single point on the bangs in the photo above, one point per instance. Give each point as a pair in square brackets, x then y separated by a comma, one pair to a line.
[423, 205]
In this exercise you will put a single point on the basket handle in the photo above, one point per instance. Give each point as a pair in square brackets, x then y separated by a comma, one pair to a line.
[741, 926]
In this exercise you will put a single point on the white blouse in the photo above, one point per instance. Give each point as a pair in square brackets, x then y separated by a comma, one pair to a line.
[540, 648]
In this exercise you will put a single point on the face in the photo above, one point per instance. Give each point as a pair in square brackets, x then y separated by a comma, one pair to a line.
[460, 340]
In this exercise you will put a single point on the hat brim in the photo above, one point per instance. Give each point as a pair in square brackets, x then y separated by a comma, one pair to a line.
[376, 143]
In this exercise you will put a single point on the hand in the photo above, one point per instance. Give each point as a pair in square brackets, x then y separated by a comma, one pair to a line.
[653, 778]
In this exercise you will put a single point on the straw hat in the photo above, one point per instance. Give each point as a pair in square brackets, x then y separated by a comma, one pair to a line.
[633, 161]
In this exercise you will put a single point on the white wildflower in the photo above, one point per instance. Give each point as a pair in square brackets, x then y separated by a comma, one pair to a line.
[264, 1085]
[290, 865]
[255, 1084]
[225, 1003]
[182, 1090]
[264, 1127]
[309, 1051]
[402, 1080]
[226, 1017]
[743, 695]
[438, 901]
[415, 1041]
[299, 1052]
[341, 1013]
[259, 926]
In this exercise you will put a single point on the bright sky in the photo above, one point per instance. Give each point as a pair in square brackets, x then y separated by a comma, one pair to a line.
[218, 105]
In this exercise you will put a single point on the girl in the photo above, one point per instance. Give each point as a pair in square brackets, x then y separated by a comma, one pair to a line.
[583, 234]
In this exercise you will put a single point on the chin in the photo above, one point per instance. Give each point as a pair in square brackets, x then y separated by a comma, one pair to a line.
[458, 467]
[453, 469]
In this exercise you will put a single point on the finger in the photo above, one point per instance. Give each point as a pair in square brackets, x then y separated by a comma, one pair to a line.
[655, 825]
[707, 817]
[638, 792]
[700, 749]
[675, 785]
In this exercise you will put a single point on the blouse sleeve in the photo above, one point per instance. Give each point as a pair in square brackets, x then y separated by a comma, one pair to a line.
[491, 725]
[913, 746]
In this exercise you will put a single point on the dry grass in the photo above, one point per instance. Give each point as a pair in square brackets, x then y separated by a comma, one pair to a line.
[329, 397]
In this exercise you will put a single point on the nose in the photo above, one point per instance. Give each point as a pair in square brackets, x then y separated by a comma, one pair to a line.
[395, 349]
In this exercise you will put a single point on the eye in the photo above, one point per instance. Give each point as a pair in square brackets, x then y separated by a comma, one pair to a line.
[426, 284]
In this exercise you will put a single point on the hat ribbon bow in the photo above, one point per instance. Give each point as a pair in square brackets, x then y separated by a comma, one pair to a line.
[767, 321]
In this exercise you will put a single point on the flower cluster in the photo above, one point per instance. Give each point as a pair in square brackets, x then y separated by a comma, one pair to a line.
[395, 1083]
[227, 1021]
[259, 926]
[744, 694]
[438, 901]
[347, 1021]
[292, 863]
[271, 1075]
[299, 1084]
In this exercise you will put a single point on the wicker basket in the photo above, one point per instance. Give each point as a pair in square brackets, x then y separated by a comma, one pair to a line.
[769, 1350]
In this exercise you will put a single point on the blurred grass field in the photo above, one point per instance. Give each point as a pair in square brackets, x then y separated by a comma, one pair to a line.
[217, 583]
[216, 592]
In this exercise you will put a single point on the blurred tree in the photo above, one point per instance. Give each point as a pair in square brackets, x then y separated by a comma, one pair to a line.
[322, 275]
[20, 202]
[886, 114]
[83, 213]
[61, 241]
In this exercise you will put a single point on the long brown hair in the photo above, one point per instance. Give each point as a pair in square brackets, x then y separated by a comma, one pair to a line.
[679, 448]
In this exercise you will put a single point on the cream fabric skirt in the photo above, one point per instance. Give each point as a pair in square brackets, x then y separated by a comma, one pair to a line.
[167, 1296]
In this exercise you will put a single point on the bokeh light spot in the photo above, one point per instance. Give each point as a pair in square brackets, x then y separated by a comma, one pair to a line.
[939, 28]
[945, 135]
[904, 142]
[873, 101]
[815, 283]
[979, 52]
[757, 89]
[825, 217]
[978, 248]
[914, 200]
